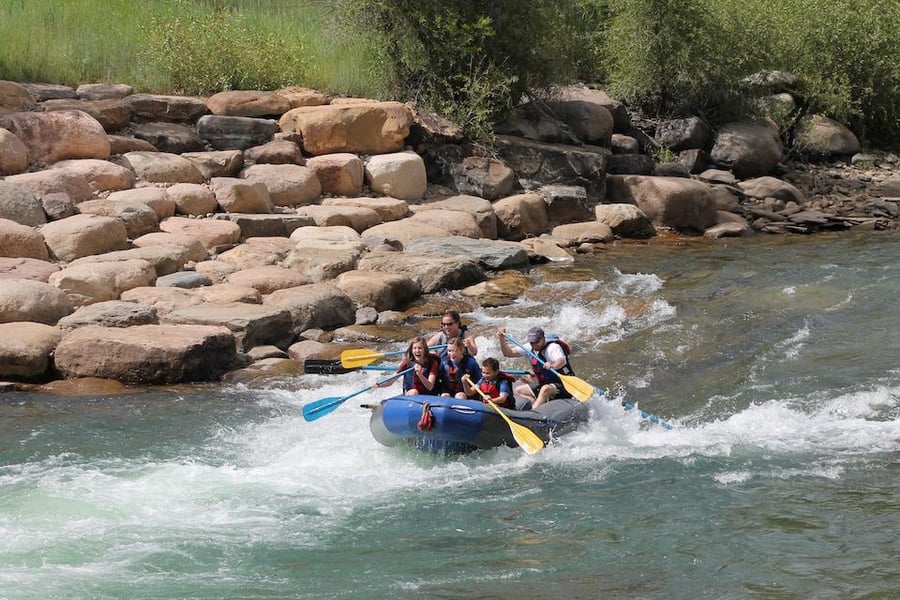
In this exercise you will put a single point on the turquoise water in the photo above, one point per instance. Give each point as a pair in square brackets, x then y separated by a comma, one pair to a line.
[776, 359]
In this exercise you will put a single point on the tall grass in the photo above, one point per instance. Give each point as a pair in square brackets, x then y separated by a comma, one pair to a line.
[79, 41]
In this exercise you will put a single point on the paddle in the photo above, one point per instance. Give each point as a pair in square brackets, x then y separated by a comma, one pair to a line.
[360, 357]
[647, 416]
[319, 408]
[526, 438]
[324, 366]
[579, 388]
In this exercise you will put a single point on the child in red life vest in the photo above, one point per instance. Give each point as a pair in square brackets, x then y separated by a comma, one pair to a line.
[426, 366]
[494, 383]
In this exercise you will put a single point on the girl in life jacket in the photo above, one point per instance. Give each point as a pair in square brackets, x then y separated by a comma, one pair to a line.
[423, 379]
[456, 362]
[496, 384]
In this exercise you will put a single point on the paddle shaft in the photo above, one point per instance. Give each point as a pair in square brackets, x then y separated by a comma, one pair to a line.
[647, 416]
[527, 439]
[320, 408]
[579, 388]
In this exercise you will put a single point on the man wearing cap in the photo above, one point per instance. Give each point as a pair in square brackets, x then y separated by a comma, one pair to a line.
[544, 385]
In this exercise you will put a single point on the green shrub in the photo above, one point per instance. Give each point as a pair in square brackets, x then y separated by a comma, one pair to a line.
[847, 57]
[470, 60]
[202, 50]
[674, 57]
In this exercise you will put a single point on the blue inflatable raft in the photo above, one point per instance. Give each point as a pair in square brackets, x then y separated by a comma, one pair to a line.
[450, 425]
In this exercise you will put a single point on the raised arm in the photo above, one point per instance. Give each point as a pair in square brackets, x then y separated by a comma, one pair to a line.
[507, 350]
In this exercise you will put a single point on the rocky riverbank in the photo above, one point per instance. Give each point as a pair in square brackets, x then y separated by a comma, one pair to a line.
[150, 239]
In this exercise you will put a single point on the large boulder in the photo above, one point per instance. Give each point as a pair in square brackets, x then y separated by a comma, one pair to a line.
[237, 195]
[110, 313]
[315, 306]
[248, 103]
[389, 209]
[88, 283]
[57, 135]
[480, 209]
[27, 300]
[381, 291]
[544, 163]
[21, 241]
[83, 235]
[676, 202]
[819, 136]
[584, 111]
[155, 107]
[162, 167]
[13, 154]
[288, 185]
[268, 278]
[399, 175]
[54, 181]
[490, 254]
[210, 232]
[169, 137]
[101, 175]
[26, 348]
[235, 133]
[431, 272]
[19, 205]
[748, 149]
[363, 127]
[520, 216]
[251, 324]
[15, 97]
[147, 354]
[625, 220]
[26, 268]
[138, 218]
[357, 217]
[324, 262]
[340, 174]
[112, 113]
[454, 222]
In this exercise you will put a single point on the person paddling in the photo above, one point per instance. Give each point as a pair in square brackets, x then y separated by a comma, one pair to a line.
[543, 385]
[452, 327]
[426, 367]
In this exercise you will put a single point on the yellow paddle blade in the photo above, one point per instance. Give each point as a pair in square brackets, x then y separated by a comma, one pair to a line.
[359, 357]
[579, 388]
[526, 438]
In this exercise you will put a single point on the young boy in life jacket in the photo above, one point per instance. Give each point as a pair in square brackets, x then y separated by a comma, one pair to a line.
[543, 384]
[456, 363]
[496, 384]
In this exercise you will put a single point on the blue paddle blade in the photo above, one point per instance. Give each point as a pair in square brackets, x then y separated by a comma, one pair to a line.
[320, 408]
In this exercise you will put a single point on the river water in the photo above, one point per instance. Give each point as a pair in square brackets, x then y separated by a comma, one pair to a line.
[775, 358]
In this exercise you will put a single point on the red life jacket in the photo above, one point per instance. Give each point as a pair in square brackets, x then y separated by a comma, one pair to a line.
[492, 389]
[410, 381]
[545, 375]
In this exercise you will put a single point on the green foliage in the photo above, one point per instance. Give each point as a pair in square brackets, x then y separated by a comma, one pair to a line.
[662, 154]
[672, 57]
[203, 51]
[847, 57]
[470, 60]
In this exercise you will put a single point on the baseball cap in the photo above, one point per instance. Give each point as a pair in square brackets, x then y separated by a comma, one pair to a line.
[535, 334]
